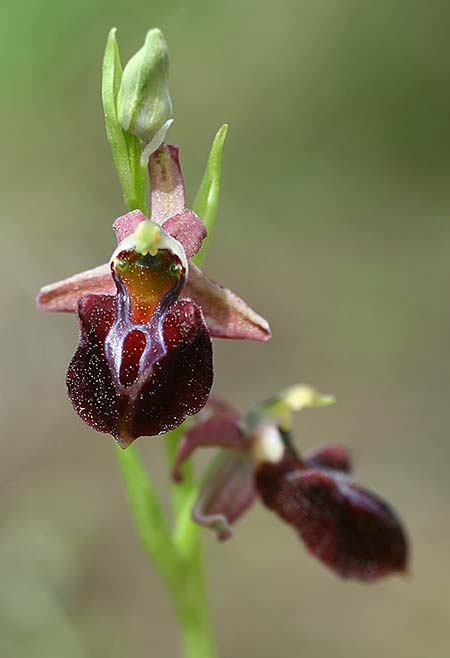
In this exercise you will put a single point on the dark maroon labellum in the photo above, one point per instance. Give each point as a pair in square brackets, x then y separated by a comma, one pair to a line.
[144, 358]
[348, 528]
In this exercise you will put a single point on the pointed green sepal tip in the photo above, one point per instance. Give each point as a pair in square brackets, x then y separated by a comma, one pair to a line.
[206, 202]
[111, 74]
[125, 148]
[144, 107]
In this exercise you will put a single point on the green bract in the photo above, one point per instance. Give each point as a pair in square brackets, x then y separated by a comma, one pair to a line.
[126, 148]
[207, 200]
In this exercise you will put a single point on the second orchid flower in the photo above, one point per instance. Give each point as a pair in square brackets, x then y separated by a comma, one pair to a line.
[345, 526]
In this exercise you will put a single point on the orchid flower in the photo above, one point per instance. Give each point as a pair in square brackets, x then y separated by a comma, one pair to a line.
[348, 528]
[144, 358]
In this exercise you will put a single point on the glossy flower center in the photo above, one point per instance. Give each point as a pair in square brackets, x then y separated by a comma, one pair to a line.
[147, 281]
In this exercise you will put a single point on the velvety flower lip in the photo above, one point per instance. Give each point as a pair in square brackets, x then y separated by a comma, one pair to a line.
[144, 359]
[348, 528]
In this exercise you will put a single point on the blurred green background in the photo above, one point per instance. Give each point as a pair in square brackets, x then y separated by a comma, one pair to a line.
[334, 223]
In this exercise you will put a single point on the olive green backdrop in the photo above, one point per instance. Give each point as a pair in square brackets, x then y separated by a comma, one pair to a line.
[334, 223]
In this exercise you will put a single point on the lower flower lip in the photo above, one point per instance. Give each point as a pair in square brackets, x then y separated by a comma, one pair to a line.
[172, 378]
[352, 531]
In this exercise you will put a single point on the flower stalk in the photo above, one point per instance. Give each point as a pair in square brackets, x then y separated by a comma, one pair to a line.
[175, 552]
[177, 555]
[192, 609]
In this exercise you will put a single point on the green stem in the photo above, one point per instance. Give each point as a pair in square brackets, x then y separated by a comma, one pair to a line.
[149, 519]
[177, 553]
[177, 556]
[189, 596]
[192, 610]
[179, 490]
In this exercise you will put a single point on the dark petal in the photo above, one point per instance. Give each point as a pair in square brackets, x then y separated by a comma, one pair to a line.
[89, 382]
[220, 428]
[348, 528]
[227, 494]
[334, 457]
[136, 394]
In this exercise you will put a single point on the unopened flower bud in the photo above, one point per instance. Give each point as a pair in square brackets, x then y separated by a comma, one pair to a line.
[144, 107]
